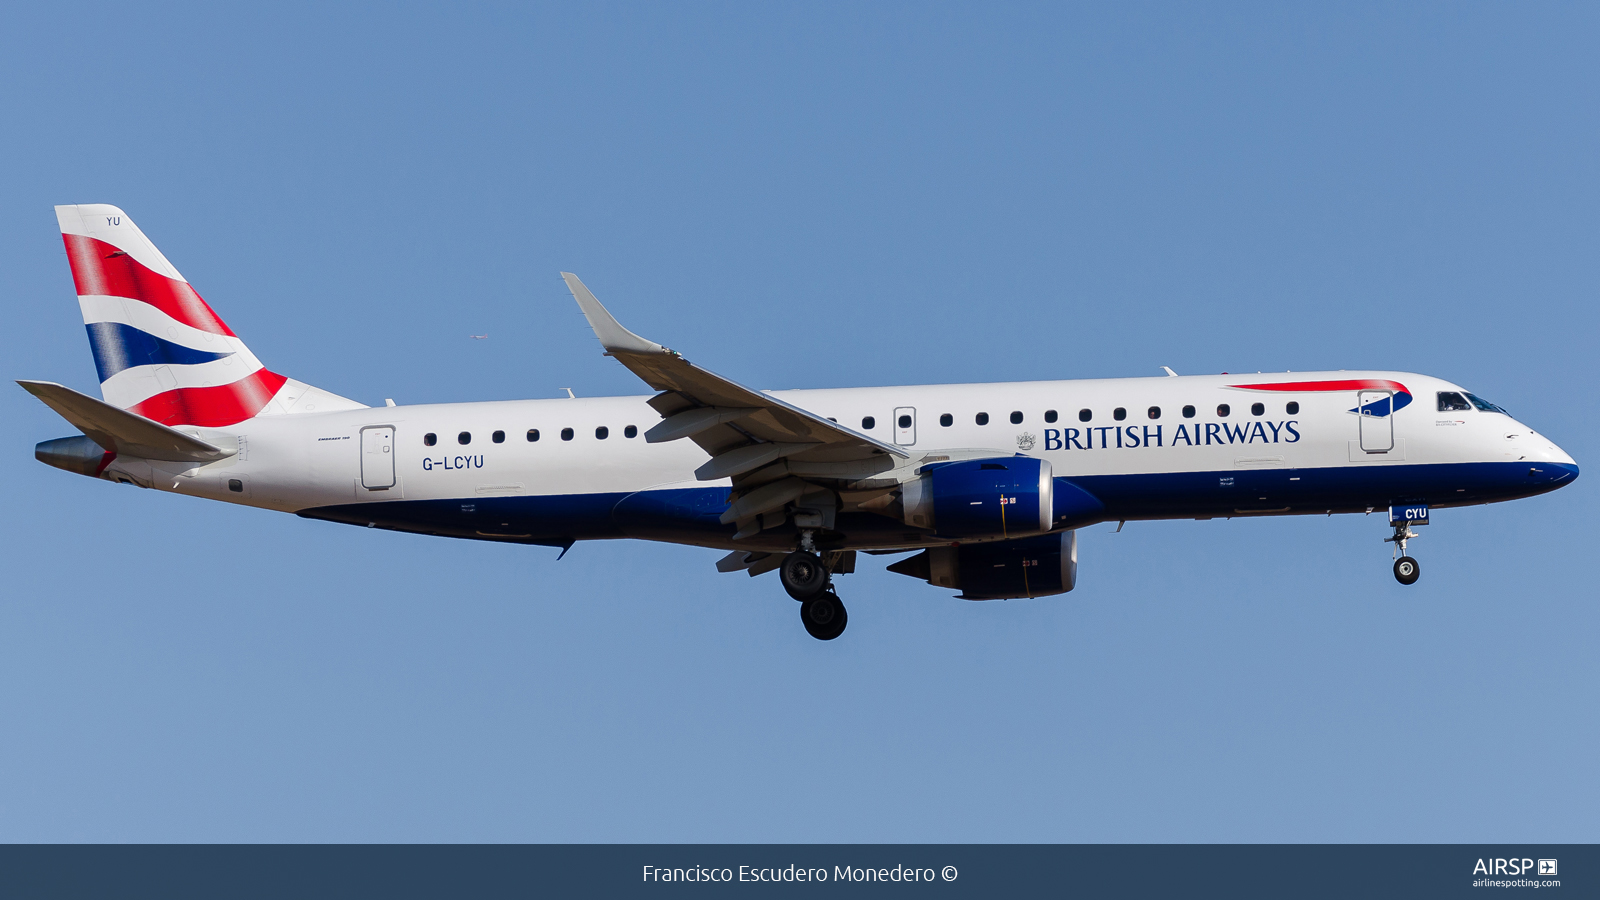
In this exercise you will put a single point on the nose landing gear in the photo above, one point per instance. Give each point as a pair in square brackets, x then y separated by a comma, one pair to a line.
[1406, 569]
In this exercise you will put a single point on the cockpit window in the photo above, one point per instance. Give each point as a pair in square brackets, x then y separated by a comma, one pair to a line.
[1450, 401]
[1485, 406]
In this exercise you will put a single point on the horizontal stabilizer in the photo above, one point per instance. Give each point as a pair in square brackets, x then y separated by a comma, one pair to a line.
[126, 433]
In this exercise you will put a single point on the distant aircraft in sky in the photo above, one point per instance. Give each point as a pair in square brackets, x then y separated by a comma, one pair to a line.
[479, 337]
[984, 483]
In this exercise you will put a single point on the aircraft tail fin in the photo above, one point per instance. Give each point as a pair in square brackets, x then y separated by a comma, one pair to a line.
[160, 350]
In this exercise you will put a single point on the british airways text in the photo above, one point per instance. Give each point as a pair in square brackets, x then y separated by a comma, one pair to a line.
[1196, 435]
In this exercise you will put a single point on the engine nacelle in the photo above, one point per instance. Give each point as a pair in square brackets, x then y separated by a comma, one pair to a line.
[1000, 570]
[982, 498]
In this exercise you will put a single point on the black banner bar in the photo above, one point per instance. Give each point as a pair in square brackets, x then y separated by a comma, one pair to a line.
[245, 872]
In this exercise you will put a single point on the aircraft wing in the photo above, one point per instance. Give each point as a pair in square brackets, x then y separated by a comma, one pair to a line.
[744, 430]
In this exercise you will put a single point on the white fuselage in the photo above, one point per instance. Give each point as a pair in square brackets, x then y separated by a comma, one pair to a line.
[296, 463]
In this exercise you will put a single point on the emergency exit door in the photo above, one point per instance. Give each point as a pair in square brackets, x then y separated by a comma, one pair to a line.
[1376, 409]
[377, 457]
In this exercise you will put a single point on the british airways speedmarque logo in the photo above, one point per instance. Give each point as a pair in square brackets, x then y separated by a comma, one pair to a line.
[1398, 397]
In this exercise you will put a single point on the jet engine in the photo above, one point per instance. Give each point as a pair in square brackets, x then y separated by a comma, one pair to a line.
[1000, 570]
[982, 498]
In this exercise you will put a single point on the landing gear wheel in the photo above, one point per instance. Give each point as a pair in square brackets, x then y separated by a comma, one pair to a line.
[1406, 570]
[824, 616]
[804, 576]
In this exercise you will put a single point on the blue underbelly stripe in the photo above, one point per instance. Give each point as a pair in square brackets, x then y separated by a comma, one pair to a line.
[690, 515]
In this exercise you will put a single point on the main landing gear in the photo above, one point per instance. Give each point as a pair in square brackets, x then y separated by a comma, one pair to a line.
[824, 616]
[1406, 569]
[807, 579]
[804, 576]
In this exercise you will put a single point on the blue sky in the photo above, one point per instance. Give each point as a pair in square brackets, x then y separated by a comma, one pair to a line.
[807, 196]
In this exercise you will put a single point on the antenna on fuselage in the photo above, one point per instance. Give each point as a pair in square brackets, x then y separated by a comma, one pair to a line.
[1170, 373]
[570, 394]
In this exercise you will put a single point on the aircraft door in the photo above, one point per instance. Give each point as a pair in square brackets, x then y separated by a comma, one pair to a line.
[1376, 410]
[377, 457]
[905, 425]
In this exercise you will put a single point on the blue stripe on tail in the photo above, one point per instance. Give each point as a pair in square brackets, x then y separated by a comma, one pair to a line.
[117, 346]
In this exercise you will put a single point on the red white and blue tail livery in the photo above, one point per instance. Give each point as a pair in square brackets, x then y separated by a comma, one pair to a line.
[979, 486]
[160, 351]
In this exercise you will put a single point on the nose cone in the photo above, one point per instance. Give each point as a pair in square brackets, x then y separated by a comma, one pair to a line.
[1549, 466]
[1555, 475]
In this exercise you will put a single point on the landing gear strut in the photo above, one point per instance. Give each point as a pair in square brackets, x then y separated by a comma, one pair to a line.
[1406, 569]
[824, 616]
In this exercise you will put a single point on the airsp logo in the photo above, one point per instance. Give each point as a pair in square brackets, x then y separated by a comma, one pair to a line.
[1547, 867]
[1025, 441]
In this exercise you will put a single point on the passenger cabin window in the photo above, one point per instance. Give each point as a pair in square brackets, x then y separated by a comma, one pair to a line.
[1016, 417]
[1223, 410]
[868, 423]
[632, 431]
[903, 422]
[1485, 405]
[983, 418]
[464, 437]
[236, 485]
[1084, 415]
[429, 439]
[1188, 412]
[1257, 409]
[533, 435]
[602, 433]
[1049, 416]
[1119, 414]
[1292, 407]
[566, 434]
[1153, 412]
[1450, 401]
[499, 437]
[947, 420]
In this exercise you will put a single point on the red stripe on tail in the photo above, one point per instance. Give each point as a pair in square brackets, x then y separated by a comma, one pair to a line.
[99, 268]
[213, 407]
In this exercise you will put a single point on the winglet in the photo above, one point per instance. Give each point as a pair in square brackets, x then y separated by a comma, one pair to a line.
[612, 335]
